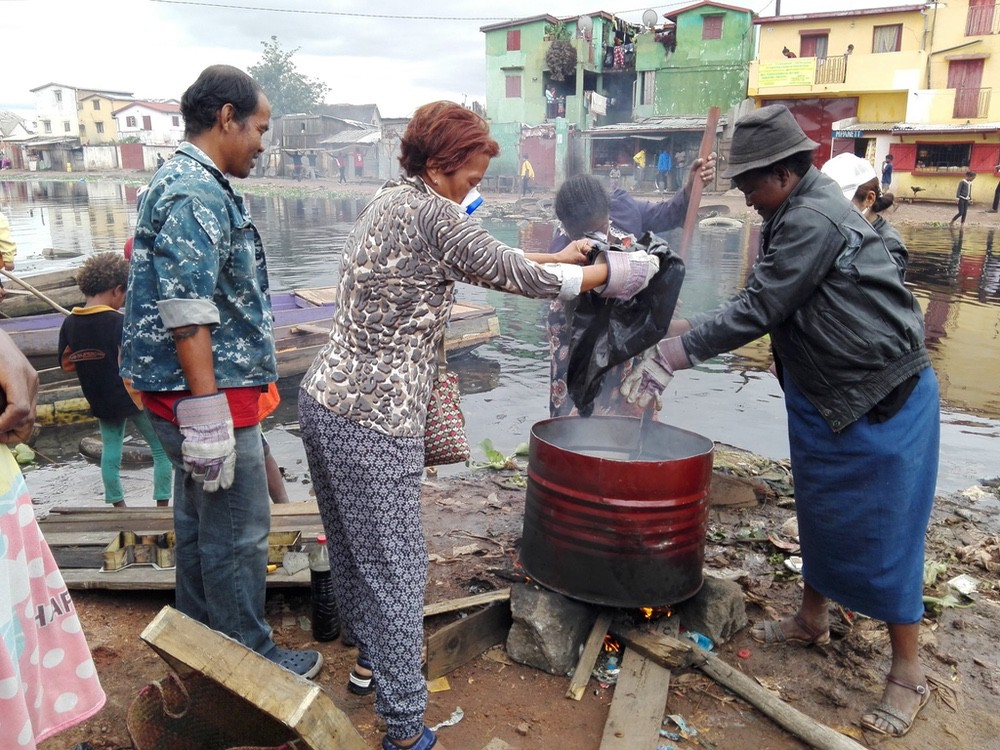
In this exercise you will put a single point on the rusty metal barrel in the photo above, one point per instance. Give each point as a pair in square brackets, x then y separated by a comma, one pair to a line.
[615, 517]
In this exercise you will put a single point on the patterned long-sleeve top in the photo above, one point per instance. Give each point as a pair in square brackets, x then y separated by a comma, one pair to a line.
[397, 288]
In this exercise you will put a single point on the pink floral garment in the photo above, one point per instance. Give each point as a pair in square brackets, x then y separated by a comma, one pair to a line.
[48, 680]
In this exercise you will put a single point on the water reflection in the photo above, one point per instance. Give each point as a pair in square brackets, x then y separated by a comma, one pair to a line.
[954, 275]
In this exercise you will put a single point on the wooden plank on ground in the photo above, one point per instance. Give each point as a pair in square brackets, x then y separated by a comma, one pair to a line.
[69, 557]
[464, 640]
[297, 703]
[466, 602]
[304, 519]
[585, 666]
[146, 577]
[727, 490]
[80, 538]
[673, 652]
[638, 706]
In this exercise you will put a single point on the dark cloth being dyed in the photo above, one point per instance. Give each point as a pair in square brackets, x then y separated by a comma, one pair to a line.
[605, 333]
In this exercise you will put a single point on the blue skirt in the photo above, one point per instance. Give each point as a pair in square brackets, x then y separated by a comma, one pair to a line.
[863, 499]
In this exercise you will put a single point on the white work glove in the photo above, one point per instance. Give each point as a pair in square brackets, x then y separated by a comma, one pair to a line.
[628, 272]
[209, 447]
[652, 372]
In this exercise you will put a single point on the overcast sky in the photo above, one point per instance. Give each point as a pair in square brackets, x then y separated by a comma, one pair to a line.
[395, 53]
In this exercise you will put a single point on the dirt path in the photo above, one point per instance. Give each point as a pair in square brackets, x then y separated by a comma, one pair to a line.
[527, 709]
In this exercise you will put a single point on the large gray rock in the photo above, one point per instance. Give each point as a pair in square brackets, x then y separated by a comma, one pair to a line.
[717, 611]
[549, 630]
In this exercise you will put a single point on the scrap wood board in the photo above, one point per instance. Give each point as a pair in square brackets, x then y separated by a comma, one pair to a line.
[79, 536]
[638, 705]
[303, 516]
[465, 639]
[301, 705]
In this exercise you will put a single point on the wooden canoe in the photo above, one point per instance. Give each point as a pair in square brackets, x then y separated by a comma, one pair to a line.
[306, 330]
[38, 335]
[60, 286]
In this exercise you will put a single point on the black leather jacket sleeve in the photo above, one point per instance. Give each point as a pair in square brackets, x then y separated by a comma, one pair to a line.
[827, 290]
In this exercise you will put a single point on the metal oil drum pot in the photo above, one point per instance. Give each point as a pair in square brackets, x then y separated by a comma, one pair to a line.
[615, 517]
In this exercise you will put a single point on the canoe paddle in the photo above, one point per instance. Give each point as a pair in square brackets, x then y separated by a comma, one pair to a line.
[707, 142]
[44, 297]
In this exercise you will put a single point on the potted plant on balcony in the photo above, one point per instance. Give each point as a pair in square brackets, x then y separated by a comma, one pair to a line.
[560, 57]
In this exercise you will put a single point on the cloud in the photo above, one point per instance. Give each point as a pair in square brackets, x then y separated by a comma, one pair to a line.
[156, 48]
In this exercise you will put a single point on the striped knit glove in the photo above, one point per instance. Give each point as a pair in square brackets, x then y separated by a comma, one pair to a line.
[209, 447]
[628, 272]
[653, 371]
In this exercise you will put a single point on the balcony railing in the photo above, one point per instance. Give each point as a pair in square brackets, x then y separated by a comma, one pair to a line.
[971, 103]
[831, 69]
[982, 20]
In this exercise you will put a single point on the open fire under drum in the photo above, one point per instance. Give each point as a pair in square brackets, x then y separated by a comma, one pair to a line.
[615, 517]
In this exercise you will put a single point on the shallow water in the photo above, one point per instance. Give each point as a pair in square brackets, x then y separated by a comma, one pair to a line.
[732, 398]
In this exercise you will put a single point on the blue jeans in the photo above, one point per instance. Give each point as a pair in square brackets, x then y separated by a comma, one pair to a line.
[222, 541]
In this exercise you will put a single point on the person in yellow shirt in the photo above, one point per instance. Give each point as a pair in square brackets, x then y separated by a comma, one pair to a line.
[640, 165]
[527, 176]
[8, 249]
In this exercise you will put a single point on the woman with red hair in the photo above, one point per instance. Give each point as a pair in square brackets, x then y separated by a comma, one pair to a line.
[364, 400]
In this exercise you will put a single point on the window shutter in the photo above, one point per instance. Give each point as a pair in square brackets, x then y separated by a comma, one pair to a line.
[984, 157]
[904, 156]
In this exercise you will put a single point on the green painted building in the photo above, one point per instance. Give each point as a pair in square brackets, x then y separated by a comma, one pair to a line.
[701, 61]
[602, 98]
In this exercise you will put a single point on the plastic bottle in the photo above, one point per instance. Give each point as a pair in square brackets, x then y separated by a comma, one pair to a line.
[325, 619]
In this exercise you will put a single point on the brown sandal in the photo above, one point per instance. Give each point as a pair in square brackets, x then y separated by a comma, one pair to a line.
[899, 723]
[770, 632]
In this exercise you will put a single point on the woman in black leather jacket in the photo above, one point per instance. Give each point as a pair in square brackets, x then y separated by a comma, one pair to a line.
[861, 397]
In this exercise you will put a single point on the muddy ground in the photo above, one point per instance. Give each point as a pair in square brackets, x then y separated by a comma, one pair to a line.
[526, 707]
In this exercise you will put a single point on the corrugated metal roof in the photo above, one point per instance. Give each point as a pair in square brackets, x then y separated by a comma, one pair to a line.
[945, 127]
[651, 125]
[873, 127]
[351, 137]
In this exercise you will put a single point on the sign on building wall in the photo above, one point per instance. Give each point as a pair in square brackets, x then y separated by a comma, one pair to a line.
[788, 73]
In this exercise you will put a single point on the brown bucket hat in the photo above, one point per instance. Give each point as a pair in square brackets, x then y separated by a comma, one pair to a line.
[765, 136]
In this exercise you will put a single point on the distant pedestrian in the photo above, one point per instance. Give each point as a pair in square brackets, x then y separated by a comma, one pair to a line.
[887, 173]
[679, 166]
[996, 192]
[311, 159]
[614, 178]
[527, 176]
[160, 161]
[663, 166]
[297, 165]
[89, 345]
[639, 159]
[964, 195]
[341, 168]
[8, 248]
[359, 164]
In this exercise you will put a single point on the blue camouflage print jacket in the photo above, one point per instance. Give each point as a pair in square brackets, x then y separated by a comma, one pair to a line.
[197, 259]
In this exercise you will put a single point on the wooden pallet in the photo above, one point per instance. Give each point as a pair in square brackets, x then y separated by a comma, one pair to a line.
[78, 537]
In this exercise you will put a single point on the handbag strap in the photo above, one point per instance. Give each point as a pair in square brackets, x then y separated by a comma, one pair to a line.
[442, 360]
